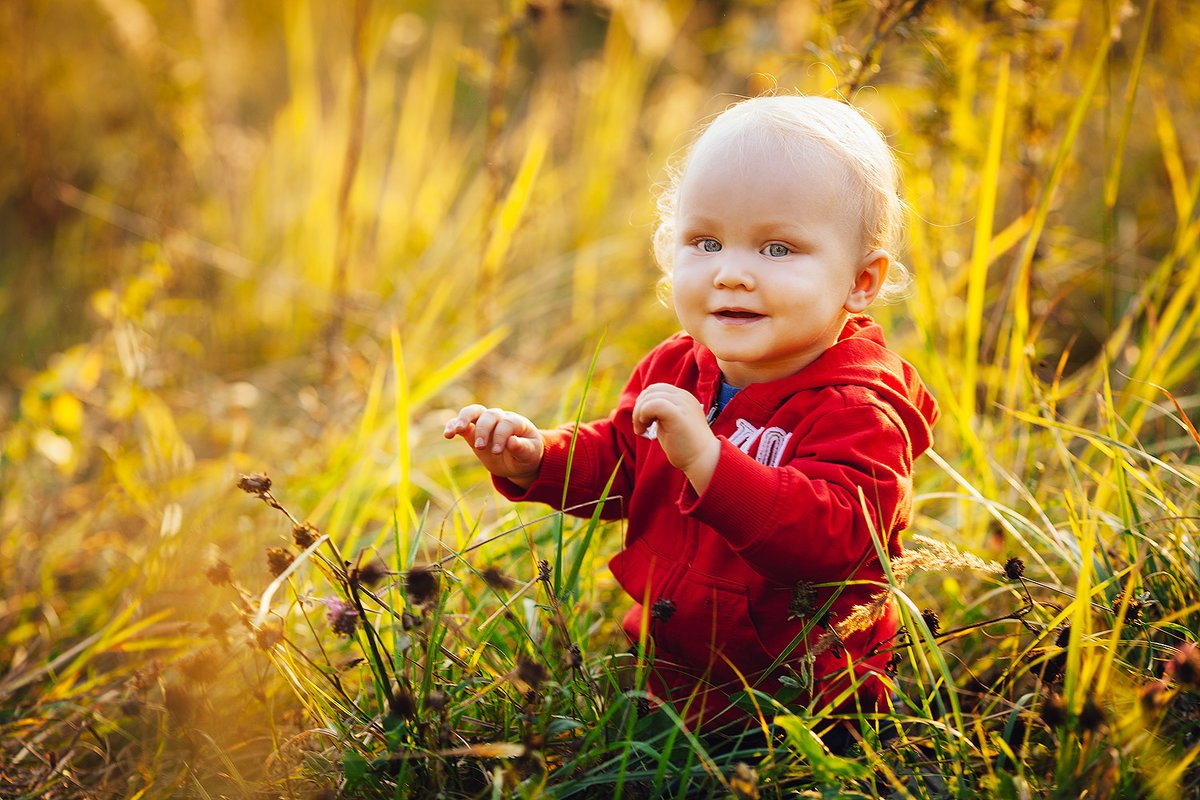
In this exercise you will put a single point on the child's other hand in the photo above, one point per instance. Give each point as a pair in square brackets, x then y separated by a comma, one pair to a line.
[681, 429]
[507, 444]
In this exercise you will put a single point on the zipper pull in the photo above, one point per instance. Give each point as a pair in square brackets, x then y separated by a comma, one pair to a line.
[712, 414]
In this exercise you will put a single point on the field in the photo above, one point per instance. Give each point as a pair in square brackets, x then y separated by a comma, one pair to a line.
[253, 255]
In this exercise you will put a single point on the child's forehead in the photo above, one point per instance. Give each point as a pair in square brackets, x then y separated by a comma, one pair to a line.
[751, 154]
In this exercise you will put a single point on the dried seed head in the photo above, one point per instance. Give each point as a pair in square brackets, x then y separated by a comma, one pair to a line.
[1133, 612]
[368, 574]
[201, 667]
[804, 600]
[1064, 635]
[544, 571]
[342, 616]
[267, 637]
[1014, 568]
[254, 483]
[1184, 666]
[421, 586]
[829, 641]
[1052, 670]
[179, 703]
[662, 610]
[279, 559]
[574, 656]
[218, 624]
[1091, 715]
[1154, 696]
[893, 665]
[1054, 710]
[861, 617]
[304, 535]
[142, 679]
[531, 672]
[436, 700]
[402, 704]
[496, 579]
[931, 621]
[743, 783]
[935, 555]
[220, 573]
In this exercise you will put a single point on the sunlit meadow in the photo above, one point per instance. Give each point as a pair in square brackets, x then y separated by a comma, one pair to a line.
[252, 254]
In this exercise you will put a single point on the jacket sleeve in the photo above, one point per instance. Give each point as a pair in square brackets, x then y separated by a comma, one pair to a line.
[806, 519]
[584, 459]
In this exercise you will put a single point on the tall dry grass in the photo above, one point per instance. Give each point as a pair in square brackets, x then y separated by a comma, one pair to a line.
[285, 239]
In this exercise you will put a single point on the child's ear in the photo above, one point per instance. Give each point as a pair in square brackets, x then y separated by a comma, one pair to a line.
[872, 272]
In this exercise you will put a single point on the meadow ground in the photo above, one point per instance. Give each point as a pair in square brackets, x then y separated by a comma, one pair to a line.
[251, 254]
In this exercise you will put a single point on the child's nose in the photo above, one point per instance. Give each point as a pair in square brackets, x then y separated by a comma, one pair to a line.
[733, 273]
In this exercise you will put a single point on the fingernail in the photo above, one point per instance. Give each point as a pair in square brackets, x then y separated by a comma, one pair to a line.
[479, 443]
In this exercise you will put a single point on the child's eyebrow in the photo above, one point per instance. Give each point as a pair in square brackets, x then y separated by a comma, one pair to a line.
[782, 229]
[694, 221]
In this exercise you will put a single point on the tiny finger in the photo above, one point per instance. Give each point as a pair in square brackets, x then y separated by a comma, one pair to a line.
[501, 433]
[485, 427]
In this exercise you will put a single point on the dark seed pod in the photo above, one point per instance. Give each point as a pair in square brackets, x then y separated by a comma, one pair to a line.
[1014, 568]
[304, 535]
[496, 579]
[531, 672]
[255, 483]
[1091, 716]
[421, 586]
[662, 610]
[1054, 710]
[278, 560]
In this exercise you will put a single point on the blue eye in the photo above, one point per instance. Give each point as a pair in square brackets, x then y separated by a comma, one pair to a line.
[710, 245]
[777, 250]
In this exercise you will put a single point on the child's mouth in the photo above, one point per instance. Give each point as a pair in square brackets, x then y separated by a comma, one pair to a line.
[736, 314]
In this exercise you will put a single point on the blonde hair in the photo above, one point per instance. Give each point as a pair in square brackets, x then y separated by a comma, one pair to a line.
[798, 123]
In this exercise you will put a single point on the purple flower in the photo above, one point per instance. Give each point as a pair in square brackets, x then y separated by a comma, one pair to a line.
[342, 616]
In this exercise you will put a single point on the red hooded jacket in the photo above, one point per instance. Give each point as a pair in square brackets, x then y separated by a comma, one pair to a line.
[735, 574]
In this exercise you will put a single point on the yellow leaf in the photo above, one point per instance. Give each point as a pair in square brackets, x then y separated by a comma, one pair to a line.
[104, 302]
[57, 449]
[487, 750]
[66, 413]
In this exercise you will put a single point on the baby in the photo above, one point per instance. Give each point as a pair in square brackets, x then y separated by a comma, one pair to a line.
[758, 451]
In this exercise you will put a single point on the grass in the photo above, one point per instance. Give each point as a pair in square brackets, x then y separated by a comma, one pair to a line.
[290, 239]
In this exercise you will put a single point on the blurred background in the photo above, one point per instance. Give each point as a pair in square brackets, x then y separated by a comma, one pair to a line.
[287, 237]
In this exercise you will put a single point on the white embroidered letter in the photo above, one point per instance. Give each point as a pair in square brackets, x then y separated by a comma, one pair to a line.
[771, 446]
[744, 436]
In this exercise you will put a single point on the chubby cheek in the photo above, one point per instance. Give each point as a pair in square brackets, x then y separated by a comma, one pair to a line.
[687, 287]
[687, 303]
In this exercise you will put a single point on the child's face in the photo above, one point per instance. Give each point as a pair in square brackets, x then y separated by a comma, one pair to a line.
[768, 261]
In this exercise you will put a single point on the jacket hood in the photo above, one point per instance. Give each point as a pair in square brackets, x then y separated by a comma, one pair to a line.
[860, 357]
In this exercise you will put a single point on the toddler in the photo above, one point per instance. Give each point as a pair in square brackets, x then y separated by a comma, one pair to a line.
[756, 452]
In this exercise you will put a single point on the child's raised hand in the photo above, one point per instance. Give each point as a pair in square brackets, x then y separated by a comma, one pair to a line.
[507, 444]
[681, 428]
